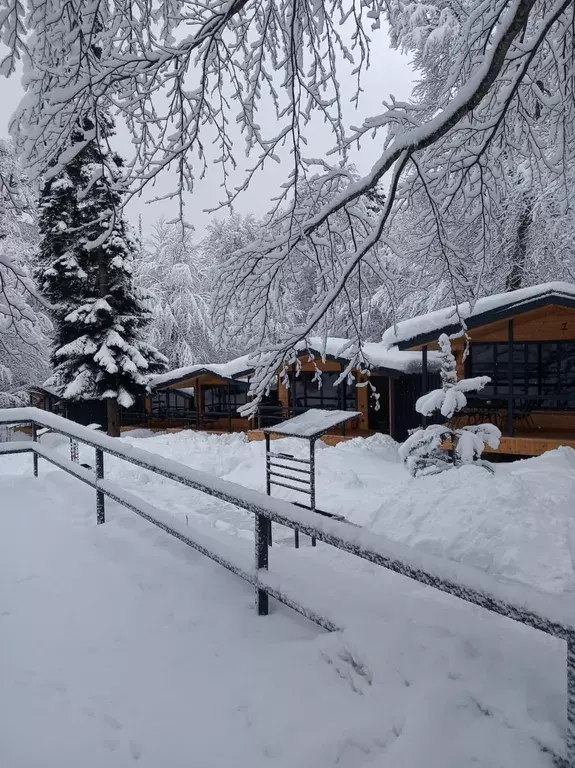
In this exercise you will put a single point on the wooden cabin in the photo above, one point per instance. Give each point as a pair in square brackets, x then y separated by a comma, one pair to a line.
[385, 398]
[203, 397]
[525, 341]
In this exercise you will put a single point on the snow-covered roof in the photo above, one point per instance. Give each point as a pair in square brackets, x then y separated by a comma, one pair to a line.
[376, 354]
[418, 329]
[231, 370]
[312, 423]
[49, 387]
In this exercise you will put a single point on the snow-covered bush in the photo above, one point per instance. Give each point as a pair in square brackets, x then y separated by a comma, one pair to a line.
[423, 452]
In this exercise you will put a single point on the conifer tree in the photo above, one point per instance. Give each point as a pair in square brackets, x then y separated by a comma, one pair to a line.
[86, 257]
[423, 453]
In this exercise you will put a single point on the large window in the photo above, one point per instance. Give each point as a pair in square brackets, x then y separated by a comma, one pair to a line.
[542, 371]
[216, 399]
[308, 393]
[169, 402]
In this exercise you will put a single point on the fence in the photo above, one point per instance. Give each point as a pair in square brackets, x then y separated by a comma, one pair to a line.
[547, 613]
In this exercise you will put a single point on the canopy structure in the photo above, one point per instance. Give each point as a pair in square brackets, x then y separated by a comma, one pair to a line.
[309, 426]
[312, 424]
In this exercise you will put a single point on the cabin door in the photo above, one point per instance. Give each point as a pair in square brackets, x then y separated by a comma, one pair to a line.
[378, 420]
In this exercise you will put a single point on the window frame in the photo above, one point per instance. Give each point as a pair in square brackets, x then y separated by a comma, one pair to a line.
[309, 395]
[535, 376]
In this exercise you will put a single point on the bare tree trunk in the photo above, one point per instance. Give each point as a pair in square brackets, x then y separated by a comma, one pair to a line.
[113, 417]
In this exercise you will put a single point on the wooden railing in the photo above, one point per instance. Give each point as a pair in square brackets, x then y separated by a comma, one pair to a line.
[547, 613]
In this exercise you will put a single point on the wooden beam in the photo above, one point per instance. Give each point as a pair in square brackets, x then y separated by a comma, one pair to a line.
[229, 407]
[510, 403]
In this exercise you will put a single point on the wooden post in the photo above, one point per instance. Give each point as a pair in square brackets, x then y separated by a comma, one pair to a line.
[510, 371]
[229, 407]
[424, 379]
[198, 399]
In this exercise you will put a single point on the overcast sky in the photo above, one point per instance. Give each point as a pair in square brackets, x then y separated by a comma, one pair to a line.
[390, 72]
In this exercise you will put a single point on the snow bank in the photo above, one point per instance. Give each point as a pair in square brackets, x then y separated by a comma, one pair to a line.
[149, 654]
[517, 523]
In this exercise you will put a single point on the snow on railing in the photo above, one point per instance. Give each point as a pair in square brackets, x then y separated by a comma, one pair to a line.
[548, 613]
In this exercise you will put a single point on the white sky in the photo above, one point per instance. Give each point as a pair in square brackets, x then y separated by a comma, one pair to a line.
[390, 72]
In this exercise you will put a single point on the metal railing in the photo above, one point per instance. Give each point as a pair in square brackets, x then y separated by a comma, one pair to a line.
[547, 613]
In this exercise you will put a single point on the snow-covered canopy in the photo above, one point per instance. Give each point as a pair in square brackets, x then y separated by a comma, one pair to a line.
[488, 309]
[230, 370]
[313, 423]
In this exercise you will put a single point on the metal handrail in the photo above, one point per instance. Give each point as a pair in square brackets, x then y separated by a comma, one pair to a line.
[547, 613]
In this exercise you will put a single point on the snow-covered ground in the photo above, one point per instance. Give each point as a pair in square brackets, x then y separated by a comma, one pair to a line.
[119, 644]
[518, 523]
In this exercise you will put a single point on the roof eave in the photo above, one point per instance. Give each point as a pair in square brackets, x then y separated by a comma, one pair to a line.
[202, 372]
[491, 316]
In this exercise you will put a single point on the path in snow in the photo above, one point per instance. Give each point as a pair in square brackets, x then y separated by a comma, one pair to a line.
[120, 645]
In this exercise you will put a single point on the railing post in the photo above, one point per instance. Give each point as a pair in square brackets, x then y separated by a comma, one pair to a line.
[571, 699]
[100, 508]
[34, 454]
[312, 483]
[268, 485]
[261, 541]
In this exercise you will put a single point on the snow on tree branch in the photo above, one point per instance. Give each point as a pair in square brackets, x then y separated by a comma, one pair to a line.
[426, 450]
[489, 128]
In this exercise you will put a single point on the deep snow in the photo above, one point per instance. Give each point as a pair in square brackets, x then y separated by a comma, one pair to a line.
[120, 644]
[517, 523]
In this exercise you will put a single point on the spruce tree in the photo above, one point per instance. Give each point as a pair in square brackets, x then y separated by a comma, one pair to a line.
[86, 257]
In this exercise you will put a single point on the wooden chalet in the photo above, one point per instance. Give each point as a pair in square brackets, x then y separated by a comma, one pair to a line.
[203, 396]
[525, 341]
[386, 402]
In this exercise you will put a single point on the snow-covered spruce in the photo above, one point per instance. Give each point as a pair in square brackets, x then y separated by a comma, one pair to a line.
[423, 452]
[86, 258]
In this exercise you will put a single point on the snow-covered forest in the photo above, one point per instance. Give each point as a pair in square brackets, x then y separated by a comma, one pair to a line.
[471, 193]
[219, 216]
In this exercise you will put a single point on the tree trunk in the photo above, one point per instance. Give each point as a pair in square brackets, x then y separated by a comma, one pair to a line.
[113, 417]
[515, 277]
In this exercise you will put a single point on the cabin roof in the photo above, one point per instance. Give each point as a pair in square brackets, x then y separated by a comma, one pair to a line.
[230, 371]
[391, 361]
[48, 388]
[489, 309]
